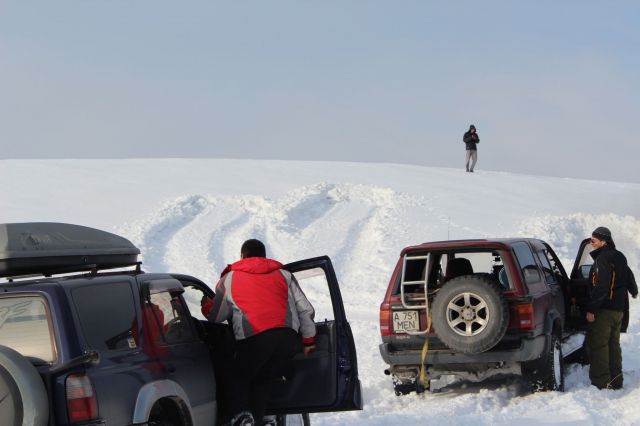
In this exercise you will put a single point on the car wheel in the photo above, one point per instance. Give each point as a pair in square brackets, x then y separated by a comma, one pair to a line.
[547, 373]
[166, 412]
[469, 314]
[23, 398]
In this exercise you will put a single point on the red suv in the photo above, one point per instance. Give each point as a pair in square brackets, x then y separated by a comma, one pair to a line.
[474, 309]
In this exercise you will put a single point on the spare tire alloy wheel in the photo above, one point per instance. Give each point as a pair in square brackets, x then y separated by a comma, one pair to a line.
[469, 314]
[10, 402]
[23, 399]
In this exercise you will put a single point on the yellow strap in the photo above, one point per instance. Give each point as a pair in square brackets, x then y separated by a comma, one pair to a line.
[425, 348]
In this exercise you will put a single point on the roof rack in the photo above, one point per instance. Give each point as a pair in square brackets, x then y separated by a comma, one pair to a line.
[46, 248]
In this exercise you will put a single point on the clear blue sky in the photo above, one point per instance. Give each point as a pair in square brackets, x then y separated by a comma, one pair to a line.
[552, 86]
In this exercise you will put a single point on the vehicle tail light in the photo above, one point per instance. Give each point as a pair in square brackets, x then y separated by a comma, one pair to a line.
[525, 316]
[82, 404]
[385, 320]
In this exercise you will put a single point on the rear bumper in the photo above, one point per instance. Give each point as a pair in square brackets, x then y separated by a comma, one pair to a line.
[530, 349]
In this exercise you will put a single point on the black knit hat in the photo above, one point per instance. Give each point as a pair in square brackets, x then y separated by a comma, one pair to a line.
[472, 127]
[603, 234]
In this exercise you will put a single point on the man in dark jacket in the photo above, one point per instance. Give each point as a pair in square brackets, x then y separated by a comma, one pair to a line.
[471, 141]
[270, 317]
[612, 281]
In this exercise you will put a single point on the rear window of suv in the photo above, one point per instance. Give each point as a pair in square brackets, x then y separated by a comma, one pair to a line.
[107, 315]
[25, 326]
[441, 266]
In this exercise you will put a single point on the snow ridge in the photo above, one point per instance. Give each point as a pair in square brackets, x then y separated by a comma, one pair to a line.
[564, 233]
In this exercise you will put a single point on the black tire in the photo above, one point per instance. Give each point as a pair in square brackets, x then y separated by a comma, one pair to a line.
[469, 314]
[23, 398]
[547, 373]
[166, 412]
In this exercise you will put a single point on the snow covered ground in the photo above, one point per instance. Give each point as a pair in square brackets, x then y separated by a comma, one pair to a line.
[191, 216]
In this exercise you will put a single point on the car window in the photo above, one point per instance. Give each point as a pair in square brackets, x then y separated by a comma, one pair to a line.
[527, 263]
[313, 283]
[193, 297]
[25, 326]
[585, 262]
[415, 269]
[446, 266]
[170, 318]
[107, 315]
[547, 268]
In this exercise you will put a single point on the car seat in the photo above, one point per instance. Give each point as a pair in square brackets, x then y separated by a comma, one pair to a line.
[459, 266]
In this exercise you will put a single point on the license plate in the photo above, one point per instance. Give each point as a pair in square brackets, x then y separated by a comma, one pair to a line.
[405, 321]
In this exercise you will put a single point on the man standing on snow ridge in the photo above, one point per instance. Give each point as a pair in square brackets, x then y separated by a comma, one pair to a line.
[611, 281]
[471, 140]
[267, 309]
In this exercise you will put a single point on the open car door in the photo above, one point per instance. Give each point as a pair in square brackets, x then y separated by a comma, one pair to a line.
[580, 285]
[327, 379]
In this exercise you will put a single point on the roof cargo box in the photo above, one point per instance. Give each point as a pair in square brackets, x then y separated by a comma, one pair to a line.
[43, 248]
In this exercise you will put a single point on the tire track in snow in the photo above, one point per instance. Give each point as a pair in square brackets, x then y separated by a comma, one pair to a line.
[190, 248]
[320, 219]
[309, 222]
[255, 212]
[348, 222]
[314, 204]
[215, 245]
[154, 235]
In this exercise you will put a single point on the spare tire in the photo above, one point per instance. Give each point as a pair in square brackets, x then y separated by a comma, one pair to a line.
[469, 314]
[23, 398]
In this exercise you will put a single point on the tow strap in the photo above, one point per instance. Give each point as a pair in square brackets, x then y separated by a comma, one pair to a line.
[425, 348]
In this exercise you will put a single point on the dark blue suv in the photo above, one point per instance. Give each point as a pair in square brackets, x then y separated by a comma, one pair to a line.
[80, 345]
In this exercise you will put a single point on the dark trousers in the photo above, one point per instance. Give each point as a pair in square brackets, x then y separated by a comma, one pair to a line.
[259, 361]
[603, 344]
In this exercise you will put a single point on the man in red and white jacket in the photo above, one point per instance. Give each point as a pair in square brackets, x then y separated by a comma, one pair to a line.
[269, 314]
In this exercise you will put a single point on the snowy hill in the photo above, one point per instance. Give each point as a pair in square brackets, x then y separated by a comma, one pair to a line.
[191, 216]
